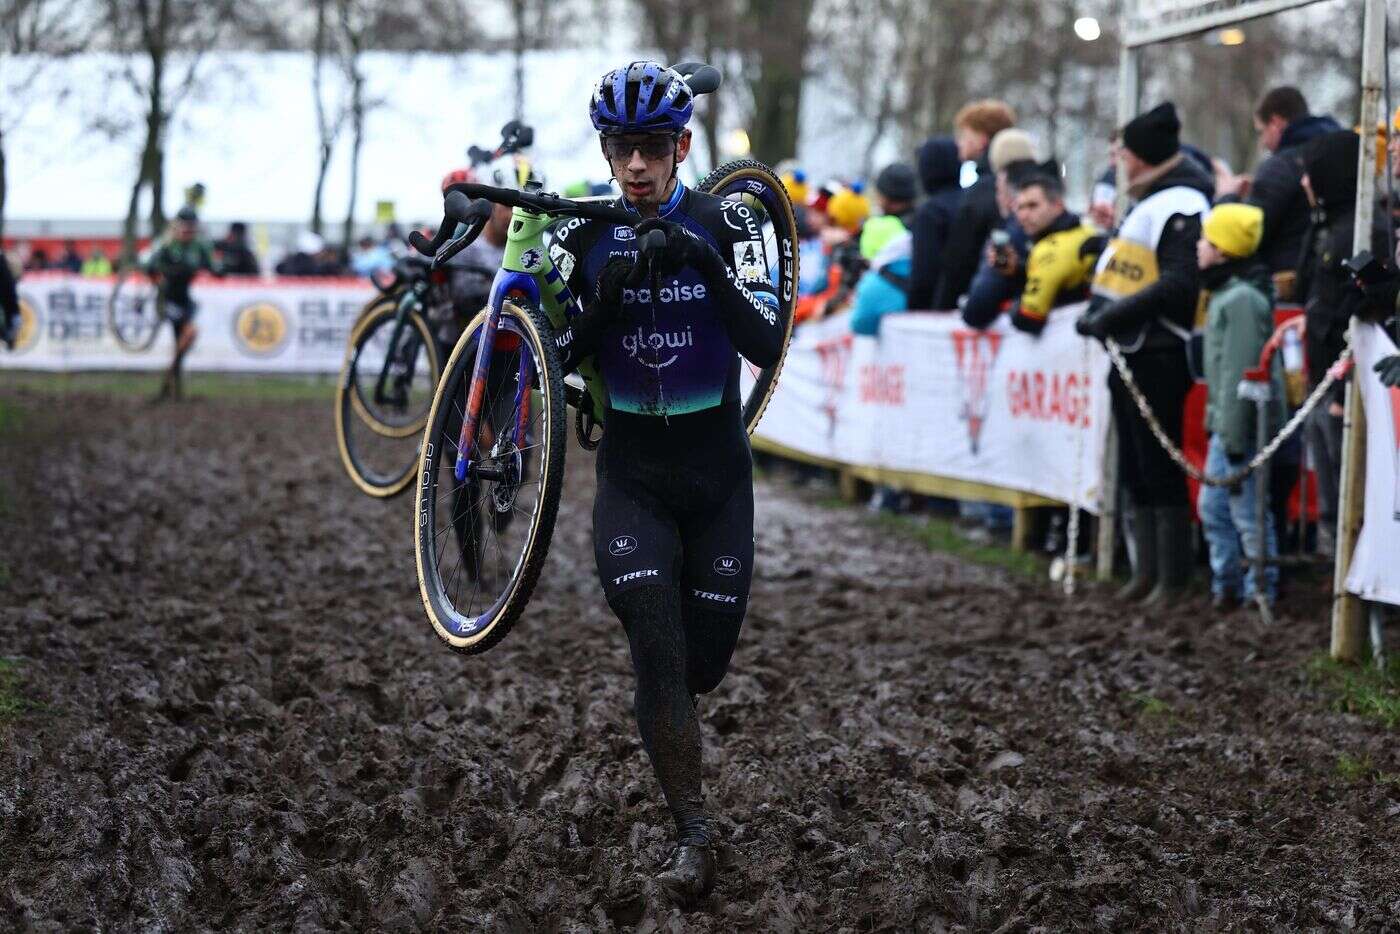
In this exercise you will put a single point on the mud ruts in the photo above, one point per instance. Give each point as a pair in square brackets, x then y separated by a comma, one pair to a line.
[244, 722]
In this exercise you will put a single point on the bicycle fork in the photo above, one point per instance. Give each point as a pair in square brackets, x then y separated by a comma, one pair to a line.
[520, 404]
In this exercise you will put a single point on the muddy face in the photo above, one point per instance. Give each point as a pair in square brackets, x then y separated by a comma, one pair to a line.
[246, 721]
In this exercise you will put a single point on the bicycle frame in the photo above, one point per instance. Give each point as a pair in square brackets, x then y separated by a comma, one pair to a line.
[410, 303]
[526, 270]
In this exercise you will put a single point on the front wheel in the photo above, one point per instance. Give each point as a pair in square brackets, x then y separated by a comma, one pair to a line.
[135, 309]
[382, 399]
[754, 185]
[483, 525]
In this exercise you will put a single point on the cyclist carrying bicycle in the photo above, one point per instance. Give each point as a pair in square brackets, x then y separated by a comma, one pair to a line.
[673, 518]
[173, 266]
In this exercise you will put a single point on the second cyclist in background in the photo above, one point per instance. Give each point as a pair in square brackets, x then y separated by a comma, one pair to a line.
[173, 266]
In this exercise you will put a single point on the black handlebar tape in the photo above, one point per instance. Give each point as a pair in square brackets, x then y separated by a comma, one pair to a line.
[421, 243]
[546, 204]
[458, 207]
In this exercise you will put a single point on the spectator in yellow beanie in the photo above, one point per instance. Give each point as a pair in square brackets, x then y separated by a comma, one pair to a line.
[1239, 322]
[1236, 230]
[848, 210]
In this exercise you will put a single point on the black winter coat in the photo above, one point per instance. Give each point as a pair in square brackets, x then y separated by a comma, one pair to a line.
[1278, 192]
[939, 169]
[977, 215]
[1174, 295]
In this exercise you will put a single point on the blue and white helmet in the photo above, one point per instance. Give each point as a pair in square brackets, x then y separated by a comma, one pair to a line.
[644, 97]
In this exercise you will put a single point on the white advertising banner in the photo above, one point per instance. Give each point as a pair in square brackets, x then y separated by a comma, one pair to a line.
[1375, 565]
[933, 396]
[270, 325]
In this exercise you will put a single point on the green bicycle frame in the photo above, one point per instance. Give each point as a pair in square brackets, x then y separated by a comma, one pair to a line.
[526, 255]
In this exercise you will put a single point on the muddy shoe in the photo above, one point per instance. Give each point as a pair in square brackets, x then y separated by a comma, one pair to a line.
[689, 875]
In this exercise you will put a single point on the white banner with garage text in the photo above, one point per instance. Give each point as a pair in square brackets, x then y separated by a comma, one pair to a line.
[1375, 564]
[932, 396]
[266, 325]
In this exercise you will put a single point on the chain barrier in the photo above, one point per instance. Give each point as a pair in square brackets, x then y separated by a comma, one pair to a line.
[1334, 373]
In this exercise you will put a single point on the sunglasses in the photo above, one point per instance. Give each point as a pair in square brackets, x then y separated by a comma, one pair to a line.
[652, 146]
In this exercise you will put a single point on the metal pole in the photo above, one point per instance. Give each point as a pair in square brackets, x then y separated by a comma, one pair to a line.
[1346, 608]
[1128, 90]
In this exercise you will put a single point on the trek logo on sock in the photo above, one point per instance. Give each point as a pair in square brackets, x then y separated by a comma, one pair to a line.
[635, 575]
[717, 597]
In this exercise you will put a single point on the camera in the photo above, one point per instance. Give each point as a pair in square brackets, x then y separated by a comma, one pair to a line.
[1366, 269]
[1001, 249]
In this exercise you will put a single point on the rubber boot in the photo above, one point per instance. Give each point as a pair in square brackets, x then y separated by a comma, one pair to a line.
[1173, 553]
[689, 875]
[1143, 528]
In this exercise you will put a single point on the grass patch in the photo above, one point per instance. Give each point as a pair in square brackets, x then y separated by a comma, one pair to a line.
[266, 387]
[1350, 769]
[939, 534]
[12, 703]
[1360, 689]
[1153, 711]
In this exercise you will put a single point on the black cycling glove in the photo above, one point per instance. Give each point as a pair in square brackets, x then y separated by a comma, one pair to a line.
[1389, 370]
[617, 273]
[683, 249]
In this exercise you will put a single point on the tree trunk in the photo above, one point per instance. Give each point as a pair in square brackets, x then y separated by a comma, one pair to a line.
[153, 159]
[357, 129]
[128, 252]
[4, 186]
[323, 127]
[518, 39]
[780, 41]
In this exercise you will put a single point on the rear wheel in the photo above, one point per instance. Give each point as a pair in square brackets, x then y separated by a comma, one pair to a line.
[481, 541]
[135, 309]
[753, 184]
[382, 400]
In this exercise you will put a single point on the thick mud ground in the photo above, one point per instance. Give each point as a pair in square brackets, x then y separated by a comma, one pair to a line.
[239, 718]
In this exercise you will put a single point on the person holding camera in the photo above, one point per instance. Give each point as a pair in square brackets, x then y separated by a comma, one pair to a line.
[1001, 276]
[1062, 256]
[1330, 300]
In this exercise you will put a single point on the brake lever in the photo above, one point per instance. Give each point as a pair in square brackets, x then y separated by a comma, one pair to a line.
[457, 244]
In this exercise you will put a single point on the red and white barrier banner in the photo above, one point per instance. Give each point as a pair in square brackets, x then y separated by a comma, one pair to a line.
[1375, 565]
[933, 396]
[273, 325]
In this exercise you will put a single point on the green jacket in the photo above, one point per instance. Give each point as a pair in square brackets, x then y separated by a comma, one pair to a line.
[1239, 322]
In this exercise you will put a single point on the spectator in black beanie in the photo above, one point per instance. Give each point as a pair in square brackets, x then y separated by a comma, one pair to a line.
[1145, 290]
[895, 192]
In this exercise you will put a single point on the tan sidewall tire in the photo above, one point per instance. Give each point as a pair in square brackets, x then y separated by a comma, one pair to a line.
[374, 311]
[342, 408]
[522, 585]
[748, 168]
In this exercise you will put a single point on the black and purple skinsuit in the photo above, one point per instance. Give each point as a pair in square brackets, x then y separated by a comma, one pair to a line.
[673, 517]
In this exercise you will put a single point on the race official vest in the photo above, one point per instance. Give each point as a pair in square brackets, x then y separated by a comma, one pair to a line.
[1129, 262]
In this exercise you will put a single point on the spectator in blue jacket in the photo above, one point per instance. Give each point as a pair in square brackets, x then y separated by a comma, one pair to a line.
[884, 287]
[939, 170]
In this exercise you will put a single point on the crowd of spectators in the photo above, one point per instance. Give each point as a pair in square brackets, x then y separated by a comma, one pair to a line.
[1185, 278]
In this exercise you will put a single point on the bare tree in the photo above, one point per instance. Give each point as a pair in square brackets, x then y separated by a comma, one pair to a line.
[43, 31]
[161, 46]
[686, 30]
[331, 108]
[774, 37]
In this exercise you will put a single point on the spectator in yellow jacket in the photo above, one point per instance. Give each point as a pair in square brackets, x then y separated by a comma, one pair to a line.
[1063, 253]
